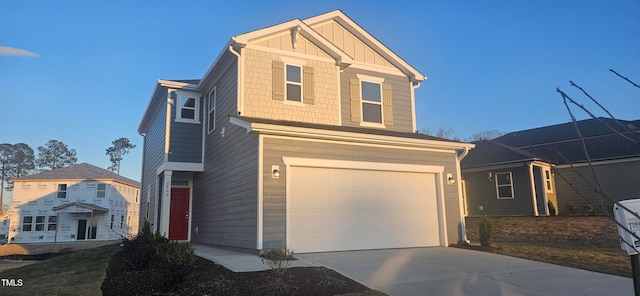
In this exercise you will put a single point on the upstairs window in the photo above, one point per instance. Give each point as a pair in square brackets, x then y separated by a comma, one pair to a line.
[294, 83]
[101, 190]
[371, 102]
[187, 109]
[504, 185]
[211, 110]
[62, 191]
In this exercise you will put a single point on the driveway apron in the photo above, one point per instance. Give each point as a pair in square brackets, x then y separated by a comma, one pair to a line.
[452, 271]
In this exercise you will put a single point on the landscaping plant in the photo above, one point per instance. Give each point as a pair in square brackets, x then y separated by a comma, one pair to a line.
[486, 231]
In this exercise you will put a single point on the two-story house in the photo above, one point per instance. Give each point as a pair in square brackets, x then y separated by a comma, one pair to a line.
[75, 203]
[302, 136]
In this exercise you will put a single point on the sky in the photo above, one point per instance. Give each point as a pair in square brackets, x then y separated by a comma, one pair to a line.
[82, 72]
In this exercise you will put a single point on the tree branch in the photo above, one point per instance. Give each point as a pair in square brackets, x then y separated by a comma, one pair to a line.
[625, 78]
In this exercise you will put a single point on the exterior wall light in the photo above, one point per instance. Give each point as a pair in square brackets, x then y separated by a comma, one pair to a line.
[450, 179]
[275, 171]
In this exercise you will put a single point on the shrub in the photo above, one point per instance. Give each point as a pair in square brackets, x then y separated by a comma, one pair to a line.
[552, 208]
[275, 286]
[590, 209]
[486, 231]
[277, 260]
[572, 207]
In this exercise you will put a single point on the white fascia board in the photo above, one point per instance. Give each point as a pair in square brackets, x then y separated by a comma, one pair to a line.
[304, 132]
[178, 85]
[367, 38]
[306, 31]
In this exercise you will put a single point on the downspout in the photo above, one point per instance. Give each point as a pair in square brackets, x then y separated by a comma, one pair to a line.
[462, 229]
[240, 82]
[414, 86]
[533, 190]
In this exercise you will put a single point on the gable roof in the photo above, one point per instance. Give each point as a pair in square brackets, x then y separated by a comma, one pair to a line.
[80, 207]
[560, 144]
[487, 153]
[82, 171]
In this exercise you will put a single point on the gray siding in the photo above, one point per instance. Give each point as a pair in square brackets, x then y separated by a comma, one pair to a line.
[620, 180]
[482, 193]
[225, 194]
[274, 199]
[185, 144]
[401, 94]
[153, 157]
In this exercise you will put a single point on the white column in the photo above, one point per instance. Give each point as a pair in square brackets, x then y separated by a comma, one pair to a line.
[165, 204]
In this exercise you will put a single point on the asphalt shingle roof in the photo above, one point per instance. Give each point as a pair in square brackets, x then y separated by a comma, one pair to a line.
[82, 171]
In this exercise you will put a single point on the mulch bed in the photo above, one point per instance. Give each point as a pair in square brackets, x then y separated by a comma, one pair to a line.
[209, 278]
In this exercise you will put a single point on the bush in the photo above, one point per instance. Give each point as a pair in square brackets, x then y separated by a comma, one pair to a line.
[486, 231]
[277, 260]
[572, 207]
[552, 208]
[590, 209]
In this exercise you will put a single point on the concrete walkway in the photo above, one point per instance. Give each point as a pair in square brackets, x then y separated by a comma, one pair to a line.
[442, 271]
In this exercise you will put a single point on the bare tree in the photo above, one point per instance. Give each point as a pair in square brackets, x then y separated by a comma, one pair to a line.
[120, 147]
[55, 154]
[485, 135]
[440, 133]
[6, 151]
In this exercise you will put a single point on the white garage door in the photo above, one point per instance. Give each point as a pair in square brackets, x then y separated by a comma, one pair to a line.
[347, 209]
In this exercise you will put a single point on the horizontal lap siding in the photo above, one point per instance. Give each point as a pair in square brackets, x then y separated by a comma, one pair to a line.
[153, 157]
[619, 180]
[401, 96]
[274, 194]
[186, 139]
[225, 194]
[481, 192]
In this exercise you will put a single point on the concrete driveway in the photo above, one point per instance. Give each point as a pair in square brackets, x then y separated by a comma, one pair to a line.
[452, 271]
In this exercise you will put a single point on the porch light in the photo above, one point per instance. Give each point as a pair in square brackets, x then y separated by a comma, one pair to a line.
[275, 171]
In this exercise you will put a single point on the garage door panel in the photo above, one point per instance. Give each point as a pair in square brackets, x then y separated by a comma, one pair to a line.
[345, 209]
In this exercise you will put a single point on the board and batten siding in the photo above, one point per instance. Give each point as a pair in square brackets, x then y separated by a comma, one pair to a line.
[482, 198]
[224, 208]
[400, 94]
[620, 180]
[153, 157]
[274, 192]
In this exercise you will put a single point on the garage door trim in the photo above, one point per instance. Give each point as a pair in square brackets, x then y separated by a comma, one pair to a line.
[363, 165]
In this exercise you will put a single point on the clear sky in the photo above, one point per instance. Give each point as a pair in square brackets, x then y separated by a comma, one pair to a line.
[82, 72]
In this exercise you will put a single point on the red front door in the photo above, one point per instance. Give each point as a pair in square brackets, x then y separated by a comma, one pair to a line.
[179, 214]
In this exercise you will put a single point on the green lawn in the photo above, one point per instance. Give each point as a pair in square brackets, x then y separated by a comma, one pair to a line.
[78, 273]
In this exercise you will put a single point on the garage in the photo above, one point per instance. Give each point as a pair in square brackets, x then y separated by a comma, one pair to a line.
[353, 206]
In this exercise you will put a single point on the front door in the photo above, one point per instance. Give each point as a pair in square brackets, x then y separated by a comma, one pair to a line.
[87, 229]
[82, 229]
[179, 214]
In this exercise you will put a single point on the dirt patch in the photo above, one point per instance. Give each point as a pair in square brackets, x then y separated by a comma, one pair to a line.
[6, 264]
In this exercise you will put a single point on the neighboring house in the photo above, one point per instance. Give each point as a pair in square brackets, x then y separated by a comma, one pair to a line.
[517, 173]
[5, 220]
[80, 202]
[299, 136]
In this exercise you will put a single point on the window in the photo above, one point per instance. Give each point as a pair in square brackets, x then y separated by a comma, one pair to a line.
[211, 110]
[371, 102]
[146, 215]
[27, 223]
[40, 223]
[187, 109]
[111, 221]
[62, 190]
[504, 185]
[547, 180]
[294, 83]
[121, 221]
[52, 223]
[101, 190]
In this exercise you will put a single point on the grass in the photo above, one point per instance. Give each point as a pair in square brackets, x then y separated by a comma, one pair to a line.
[584, 242]
[78, 273]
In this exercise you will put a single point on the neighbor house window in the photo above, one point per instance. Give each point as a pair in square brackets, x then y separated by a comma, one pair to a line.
[62, 190]
[40, 223]
[27, 223]
[293, 83]
[101, 190]
[211, 110]
[121, 221]
[504, 185]
[371, 102]
[547, 180]
[187, 109]
[112, 216]
[52, 223]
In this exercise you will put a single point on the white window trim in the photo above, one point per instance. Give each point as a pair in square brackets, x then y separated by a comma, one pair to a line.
[179, 108]
[301, 83]
[510, 185]
[209, 110]
[32, 223]
[66, 190]
[98, 190]
[550, 187]
[379, 81]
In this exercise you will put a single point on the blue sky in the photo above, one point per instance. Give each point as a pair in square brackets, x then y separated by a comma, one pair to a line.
[82, 72]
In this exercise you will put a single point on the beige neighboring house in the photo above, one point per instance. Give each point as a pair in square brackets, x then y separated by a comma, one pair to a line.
[76, 203]
[301, 135]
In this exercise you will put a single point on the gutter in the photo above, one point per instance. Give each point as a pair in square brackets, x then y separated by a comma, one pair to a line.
[240, 81]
